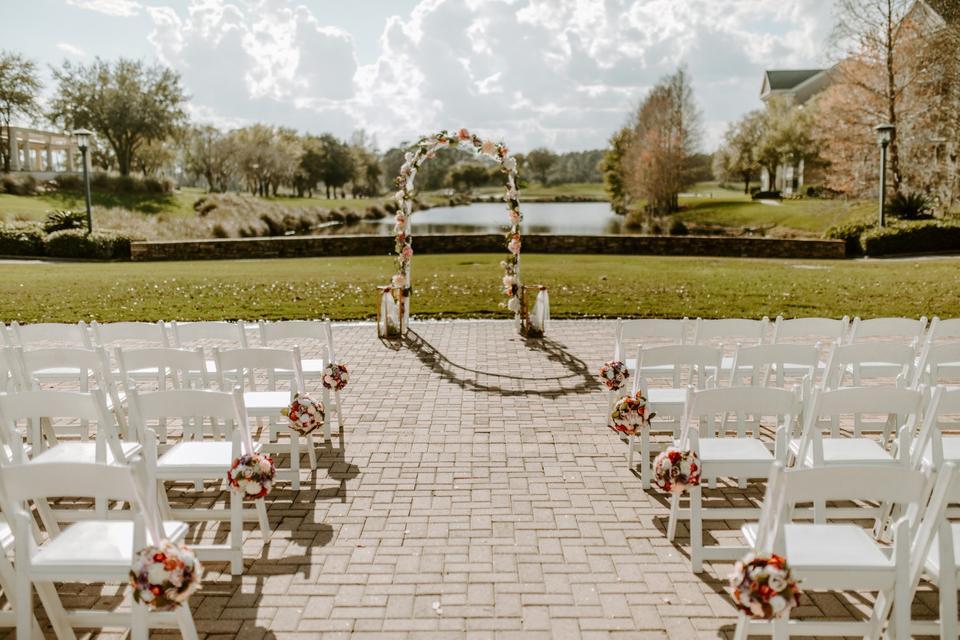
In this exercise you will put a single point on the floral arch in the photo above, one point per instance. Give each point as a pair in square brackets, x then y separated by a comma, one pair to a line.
[393, 312]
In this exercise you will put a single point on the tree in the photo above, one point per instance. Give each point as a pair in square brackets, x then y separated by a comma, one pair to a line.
[19, 87]
[737, 158]
[468, 175]
[211, 154]
[787, 136]
[539, 163]
[334, 163]
[126, 102]
[613, 166]
[666, 134]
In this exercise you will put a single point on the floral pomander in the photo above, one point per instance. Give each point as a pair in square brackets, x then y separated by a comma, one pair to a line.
[675, 470]
[163, 576]
[613, 374]
[251, 475]
[305, 414]
[630, 413]
[763, 586]
[335, 376]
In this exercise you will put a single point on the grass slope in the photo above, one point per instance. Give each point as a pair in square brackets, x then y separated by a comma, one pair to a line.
[467, 286]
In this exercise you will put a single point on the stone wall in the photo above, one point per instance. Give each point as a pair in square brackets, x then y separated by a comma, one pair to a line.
[321, 246]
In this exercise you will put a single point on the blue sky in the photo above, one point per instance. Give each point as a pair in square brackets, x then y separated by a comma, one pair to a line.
[561, 73]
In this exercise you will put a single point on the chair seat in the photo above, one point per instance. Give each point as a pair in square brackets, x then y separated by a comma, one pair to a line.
[83, 452]
[951, 450]
[309, 366]
[57, 372]
[932, 563]
[846, 450]
[97, 547]
[827, 547]
[214, 456]
[666, 396]
[270, 402]
[728, 450]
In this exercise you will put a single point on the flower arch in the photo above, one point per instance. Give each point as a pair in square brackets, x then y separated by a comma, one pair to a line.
[393, 313]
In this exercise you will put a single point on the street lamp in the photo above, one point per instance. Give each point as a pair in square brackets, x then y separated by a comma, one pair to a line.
[884, 137]
[82, 137]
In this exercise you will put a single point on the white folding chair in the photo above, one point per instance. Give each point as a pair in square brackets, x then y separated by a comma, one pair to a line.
[628, 334]
[209, 334]
[825, 555]
[145, 334]
[686, 365]
[266, 400]
[809, 330]
[87, 551]
[903, 330]
[197, 458]
[727, 331]
[48, 335]
[939, 363]
[932, 448]
[778, 365]
[888, 361]
[295, 333]
[11, 375]
[730, 451]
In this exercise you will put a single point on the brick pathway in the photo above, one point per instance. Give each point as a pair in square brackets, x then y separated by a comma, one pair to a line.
[478, 494]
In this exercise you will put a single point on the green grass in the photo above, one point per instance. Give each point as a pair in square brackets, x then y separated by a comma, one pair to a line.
[583, 189]
[808, 216]
[467, 286]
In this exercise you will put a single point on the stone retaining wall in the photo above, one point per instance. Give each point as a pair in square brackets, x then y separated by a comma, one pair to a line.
[304, 246]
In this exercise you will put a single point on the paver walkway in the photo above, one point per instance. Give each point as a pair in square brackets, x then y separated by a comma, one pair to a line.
[478, 495]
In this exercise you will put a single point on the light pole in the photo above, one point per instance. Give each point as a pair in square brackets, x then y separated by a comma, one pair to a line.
[83, 143]
[884, 136]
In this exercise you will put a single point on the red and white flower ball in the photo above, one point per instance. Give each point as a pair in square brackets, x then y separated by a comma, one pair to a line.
[335, 376]
[305, 414]
[163, 576]
[613, 374]
[763, 586]
[630, 413]
[251, 475]
[675, 469]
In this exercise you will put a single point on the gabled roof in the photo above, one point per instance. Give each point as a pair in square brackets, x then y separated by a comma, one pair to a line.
[787, 79]
[949, 10]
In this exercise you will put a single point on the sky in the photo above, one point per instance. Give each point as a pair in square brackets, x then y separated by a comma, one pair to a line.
[558, 73]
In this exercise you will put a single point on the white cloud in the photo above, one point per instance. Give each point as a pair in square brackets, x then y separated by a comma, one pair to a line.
[71, 50]
[120, 8]
[564, 73]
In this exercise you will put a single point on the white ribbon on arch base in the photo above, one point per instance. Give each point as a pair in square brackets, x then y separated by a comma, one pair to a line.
[541, 312]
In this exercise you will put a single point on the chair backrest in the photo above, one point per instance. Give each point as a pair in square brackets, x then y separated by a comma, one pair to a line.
[88, 361]
[196, 406]
[189, 333]
[149, 333]
[52, 405]
[26, 335]
[810, 329]
[11, 374]
[932, 357]
[948, 329]
[6, 340]
[943, 402]
[712, 407]
[907, 328]
[246, 362]
[731, 330]
[764, 363]
[852, 358]
[174, 367]
[633, 332]
[292, 330]
[696, 358]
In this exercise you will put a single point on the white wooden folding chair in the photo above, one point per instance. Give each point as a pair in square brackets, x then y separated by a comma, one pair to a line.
[11, 374]
[850, 364]
[7, 571]
[114, 335]
[939, 363]
[294, 333]
[88, 551]
[809, 330]
[687, 365]
[932, 448]
[902, 330]
[826, 555]
[50, 335]
[778, 365]
[208, 335]
[730, 450]
[263, 397]
[197, 458]
[730, 331]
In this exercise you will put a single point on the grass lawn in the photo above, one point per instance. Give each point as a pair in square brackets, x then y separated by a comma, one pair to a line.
[584, 189]
[467, 286]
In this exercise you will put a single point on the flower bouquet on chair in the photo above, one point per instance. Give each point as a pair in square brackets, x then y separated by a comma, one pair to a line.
[163, 576]
[305, 414]
[630, 414]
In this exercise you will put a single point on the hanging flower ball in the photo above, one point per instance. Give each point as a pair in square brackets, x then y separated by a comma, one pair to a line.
[251, 475]
[763, 586]
[305, 414]
[335, 376]
[164, 575]
[613, 374]
[674, 470]
[630, 413]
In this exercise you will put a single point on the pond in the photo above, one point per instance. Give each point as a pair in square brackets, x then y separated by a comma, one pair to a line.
[560, 218]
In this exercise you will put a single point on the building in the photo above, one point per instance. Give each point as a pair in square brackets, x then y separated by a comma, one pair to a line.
[796, 87]
[42, 153]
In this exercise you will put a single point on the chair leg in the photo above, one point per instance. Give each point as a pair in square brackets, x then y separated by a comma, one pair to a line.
[188, 630]
[295, 461]
[948, 605]
[781, 629]
[311, 451]
[236, 533]
[674, 515]
[645, 458]
[23, 606]
[138, 622]
[163, 502]
[696, 529]
[55, 611]
[336, 395]
[741, 632]
[261, 508]
[631, 444]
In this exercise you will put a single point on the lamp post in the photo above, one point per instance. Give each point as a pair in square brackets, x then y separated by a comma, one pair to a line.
[82, 137]
[884, 136]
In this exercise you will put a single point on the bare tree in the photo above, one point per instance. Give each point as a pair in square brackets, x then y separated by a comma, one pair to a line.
[19, 87]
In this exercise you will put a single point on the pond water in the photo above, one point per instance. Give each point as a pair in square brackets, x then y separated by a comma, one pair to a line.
[561, 218]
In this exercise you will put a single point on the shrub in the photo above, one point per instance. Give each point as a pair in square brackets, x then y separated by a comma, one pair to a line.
[121, 185]
[99, 245]
[819, 191]
[60, 220]
[850, 233]
[677, 228]
[766, 195]
[21, 239]
[921, 237]
[19, 185]
[910, 206]
[219, 231]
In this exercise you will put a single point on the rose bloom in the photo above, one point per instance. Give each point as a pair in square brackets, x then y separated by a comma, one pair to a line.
[488, 147]
[463, 134]
[407, 251]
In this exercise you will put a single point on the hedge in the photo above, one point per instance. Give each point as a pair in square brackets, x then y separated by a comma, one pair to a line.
[99, 245]
[850, 233]
[102, 182]
[935, 236]
[21, 239]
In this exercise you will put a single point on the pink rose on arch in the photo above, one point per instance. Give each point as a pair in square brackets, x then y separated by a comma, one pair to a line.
[400, 218]
[514, 217]
[407, 252]
[463, 134]
[488, 147]
[514, 245]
